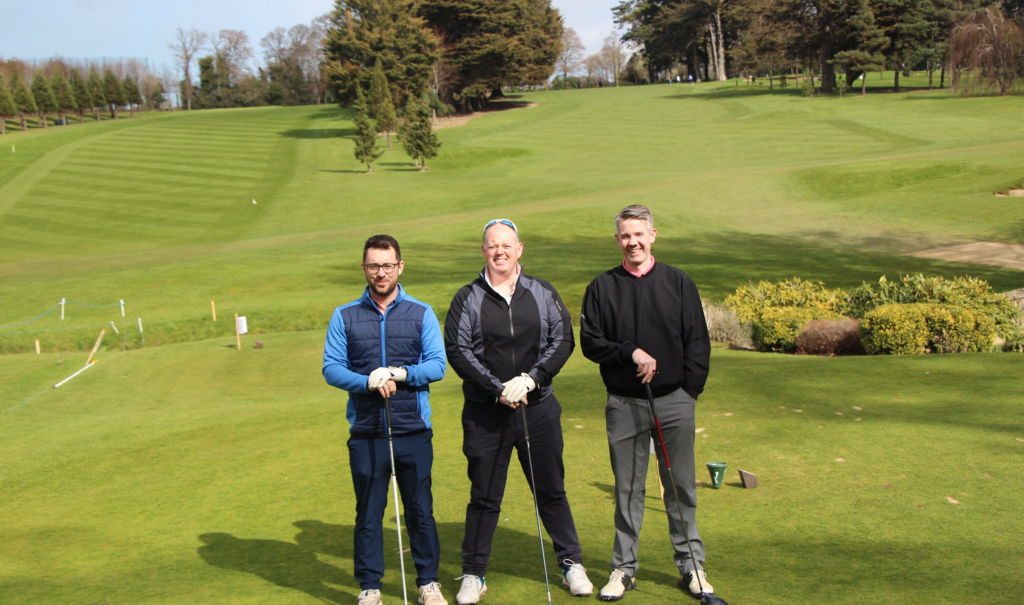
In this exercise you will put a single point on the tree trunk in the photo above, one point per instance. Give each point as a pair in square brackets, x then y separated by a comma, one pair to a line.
[851, 76]
[712, 54]
[423, 164]
[930, 72]
[828, 74]
[81, 116]
[131, 108]
[720, 69]
[42, 119]
[24, 123]
[863, 86]
[771, 81]
[896, 80]
[113, 112]
[3, 126]
[369, 169]
[96, 110]
[942, 75]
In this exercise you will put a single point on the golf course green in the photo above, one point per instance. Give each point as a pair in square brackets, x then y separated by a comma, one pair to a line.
[187, 471]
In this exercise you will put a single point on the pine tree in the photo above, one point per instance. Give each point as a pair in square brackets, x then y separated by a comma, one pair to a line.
[99, 97]
[7, 106]
[381, 103]
[132, 94]
[23, 98]
[113, 90]
[43, 94]
[83, 100]
[420, 141]
[366, 134]
[64, 96]
[870, 39]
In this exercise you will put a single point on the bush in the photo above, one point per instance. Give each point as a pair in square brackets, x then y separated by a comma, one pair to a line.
[894, 330]
[777, 328]
[924, 327]
[966, 292]
[749, 301]
[807, 89]
[724, 326]
[830, 337]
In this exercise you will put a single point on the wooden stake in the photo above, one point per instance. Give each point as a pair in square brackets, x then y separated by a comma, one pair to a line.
[37, 346]
[96, 346]
[238, 335]
[213, 308]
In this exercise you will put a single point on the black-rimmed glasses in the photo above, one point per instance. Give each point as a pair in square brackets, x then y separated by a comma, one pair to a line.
[389, 268]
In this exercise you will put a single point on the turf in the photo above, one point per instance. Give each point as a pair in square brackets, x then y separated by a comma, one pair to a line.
[195, 473]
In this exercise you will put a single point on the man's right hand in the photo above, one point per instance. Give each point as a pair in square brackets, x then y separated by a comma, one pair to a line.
[646, 365]
[512, 404]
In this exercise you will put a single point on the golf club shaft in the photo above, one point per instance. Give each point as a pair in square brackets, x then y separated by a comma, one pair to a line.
[394, 486]
[675, 490]
[536, 507]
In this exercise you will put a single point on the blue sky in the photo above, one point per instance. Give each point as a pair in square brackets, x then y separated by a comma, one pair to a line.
[142, 29]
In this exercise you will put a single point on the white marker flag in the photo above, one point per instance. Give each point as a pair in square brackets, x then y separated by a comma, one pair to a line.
[241, 326]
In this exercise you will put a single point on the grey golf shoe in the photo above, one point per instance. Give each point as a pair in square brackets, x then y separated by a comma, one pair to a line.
[575, 579]
[618, 584]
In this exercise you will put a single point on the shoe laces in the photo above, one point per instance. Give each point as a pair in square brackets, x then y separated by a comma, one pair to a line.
[470, 577]
[618, 576]
[573, 566]
[433, 588]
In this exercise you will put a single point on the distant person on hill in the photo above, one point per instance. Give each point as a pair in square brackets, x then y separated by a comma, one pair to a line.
[642, 321]
[387, 344]
[507, 335]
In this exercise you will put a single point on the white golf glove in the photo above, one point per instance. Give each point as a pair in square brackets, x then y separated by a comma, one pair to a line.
[378, 378]
[398, 374]
[517, 388]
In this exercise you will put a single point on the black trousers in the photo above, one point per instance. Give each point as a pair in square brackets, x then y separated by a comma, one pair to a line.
[490, 431]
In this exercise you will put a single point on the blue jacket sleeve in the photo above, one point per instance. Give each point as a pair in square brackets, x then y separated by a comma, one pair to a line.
[336, 366]
[432, 363]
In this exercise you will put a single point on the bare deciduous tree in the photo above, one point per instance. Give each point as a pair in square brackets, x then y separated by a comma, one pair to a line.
[613, 55]
[988, 48]
[185, 47]
[571, 57]
[593, 65]
[233, 51]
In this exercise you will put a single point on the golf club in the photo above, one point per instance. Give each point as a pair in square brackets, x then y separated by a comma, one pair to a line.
[536, 507]
[394, 486]
[705, 598]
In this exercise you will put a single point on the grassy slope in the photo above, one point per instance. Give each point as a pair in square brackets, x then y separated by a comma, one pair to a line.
[746, 185]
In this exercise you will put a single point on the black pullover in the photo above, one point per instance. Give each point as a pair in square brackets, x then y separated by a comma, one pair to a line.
[660, 313]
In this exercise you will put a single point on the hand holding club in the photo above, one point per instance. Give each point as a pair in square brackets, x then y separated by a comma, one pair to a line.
[646, 365]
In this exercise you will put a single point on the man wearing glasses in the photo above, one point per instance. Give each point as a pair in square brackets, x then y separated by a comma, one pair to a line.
[387, 344]
[507, 335]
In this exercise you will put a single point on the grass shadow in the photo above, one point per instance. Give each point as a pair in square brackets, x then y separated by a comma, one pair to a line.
[319, 133]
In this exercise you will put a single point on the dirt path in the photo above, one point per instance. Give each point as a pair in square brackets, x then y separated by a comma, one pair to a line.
[463, 119]
[981, 253]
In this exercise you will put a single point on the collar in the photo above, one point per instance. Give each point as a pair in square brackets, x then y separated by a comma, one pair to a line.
[634, 273]
[369, 299]
[515, 282]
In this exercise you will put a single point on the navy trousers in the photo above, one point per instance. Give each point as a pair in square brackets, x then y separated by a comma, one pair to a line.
[490, 431]
[371, 477]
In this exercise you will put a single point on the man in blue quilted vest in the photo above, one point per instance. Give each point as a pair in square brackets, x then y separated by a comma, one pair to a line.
[387, 344]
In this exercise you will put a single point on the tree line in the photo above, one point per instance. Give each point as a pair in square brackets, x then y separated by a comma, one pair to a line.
[59, 89]
[978, 42]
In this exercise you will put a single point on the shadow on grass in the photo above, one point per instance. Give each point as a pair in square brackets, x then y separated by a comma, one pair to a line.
[345, 171]
[288, 565]
[320, 133]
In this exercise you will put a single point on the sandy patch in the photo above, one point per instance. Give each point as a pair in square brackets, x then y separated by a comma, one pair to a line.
[980, 253]
[463, 119]
[1012, 193]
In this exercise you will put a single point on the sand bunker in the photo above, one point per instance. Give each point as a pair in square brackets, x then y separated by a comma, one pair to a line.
[981, 253]
[462, 119]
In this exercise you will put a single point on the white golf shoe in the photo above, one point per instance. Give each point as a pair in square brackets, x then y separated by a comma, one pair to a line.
[369, 597]
[473, 587]
[430, 594]
[694, 586]
[618, 584]
[576, 580]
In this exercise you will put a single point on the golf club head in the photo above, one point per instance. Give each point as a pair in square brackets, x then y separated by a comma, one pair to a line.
[710, 599]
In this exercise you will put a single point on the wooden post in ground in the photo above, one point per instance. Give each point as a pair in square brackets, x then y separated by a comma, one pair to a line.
[213, 307]
[238, 335]
[37, 346]
[96, 346]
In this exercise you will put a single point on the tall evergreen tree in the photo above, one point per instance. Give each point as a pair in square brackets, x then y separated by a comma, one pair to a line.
[96, 91]
[381, 103]
[366, 135]
[867, 54]
[132, 94]
[363, 32]
[83, 100]
[64, 96]
[113, 91]
[420, 141]
[43, 94]
[23, 98]
[905, 23]
[7, 107]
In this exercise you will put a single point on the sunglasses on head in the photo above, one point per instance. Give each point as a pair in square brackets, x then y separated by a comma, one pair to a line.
[503, 221]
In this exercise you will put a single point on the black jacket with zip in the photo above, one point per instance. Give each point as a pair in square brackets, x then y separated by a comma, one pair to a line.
[489, 342]
[659, 312]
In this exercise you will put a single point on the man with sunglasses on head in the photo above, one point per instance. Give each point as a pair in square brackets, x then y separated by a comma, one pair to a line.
[507, 335]
[387, 345]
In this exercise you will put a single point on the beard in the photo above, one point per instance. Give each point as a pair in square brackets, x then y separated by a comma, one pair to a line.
[387, 288]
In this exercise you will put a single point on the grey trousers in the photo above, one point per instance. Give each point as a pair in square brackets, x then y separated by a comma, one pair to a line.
[630, 429]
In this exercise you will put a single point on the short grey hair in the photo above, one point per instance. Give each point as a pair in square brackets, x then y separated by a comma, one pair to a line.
[637, 212]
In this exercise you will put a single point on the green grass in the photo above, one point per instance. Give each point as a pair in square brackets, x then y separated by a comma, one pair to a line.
[195, 473]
